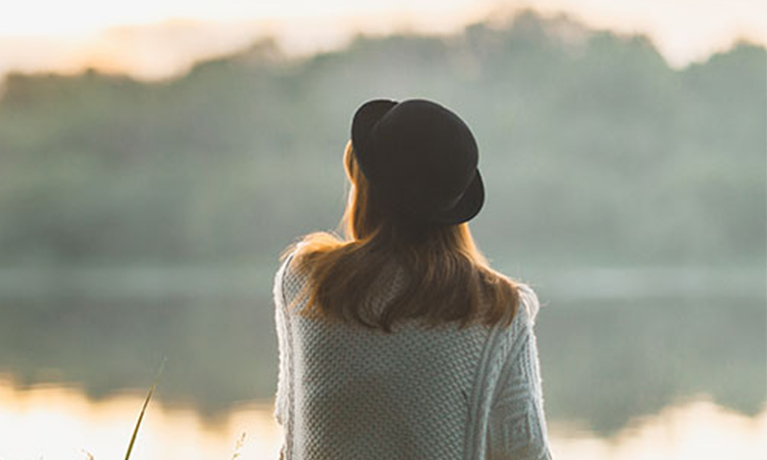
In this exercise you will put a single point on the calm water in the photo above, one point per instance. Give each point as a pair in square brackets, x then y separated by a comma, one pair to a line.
[648, 364]
[54, 422]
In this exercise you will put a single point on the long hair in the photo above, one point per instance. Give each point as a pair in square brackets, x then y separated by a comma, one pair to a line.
[448, 278]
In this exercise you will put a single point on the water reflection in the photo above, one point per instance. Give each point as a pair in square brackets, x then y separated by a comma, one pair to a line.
[55, 422]
[694, 430]
[604, 361]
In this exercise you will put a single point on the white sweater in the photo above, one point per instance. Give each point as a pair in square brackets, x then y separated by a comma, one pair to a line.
[346, 392]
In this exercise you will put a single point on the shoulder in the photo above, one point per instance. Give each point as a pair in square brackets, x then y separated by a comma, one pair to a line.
[529, 305]
[287, 264]
[529, 298]
[287, 277]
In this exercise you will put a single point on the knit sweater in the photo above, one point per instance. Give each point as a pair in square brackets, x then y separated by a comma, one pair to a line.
[347, 392]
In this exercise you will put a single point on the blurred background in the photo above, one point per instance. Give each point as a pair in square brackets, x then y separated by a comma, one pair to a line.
[156, 157]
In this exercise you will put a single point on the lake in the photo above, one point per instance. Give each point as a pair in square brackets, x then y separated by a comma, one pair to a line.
[636, 364]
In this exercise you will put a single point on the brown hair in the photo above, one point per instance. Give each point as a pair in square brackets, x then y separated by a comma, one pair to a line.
[449, 279]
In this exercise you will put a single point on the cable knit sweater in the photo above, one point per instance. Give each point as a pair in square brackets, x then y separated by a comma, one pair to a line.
[346, 392]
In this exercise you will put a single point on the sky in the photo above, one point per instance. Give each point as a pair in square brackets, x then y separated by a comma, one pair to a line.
[155, 39]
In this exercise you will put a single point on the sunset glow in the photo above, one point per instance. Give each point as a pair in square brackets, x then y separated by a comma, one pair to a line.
[152, 39]
[53, 419]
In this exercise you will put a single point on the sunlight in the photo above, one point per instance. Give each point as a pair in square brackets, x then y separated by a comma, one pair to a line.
[60, 422]
[80, 17]
[123, 37]
[697, 430]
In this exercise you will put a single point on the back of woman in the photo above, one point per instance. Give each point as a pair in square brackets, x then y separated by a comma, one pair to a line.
[400, 342]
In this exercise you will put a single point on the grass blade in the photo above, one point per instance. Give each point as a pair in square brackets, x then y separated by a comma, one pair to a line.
[238, 447]
[143, 409]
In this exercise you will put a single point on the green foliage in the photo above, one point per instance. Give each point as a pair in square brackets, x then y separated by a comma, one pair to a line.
[595, 151]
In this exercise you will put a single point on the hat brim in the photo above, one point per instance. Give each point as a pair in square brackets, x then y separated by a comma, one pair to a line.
[467, 207]
[365, 119]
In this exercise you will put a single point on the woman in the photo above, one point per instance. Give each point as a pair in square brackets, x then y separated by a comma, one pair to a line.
[400, 342]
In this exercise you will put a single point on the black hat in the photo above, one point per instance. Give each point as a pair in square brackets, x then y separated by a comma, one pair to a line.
[421, 157]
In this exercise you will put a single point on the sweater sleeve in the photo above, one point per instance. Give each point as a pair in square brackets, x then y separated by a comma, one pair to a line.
[281, 399]
[517, 425]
